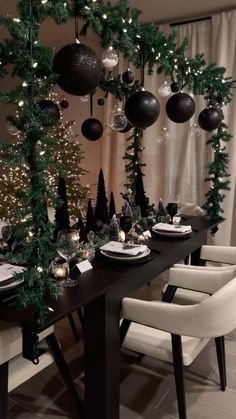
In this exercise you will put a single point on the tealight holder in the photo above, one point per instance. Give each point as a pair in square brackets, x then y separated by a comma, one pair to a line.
[59, 269]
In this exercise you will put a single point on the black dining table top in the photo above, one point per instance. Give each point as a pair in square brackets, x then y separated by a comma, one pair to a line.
[109, 276]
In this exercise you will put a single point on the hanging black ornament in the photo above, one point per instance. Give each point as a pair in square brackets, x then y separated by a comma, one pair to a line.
[100, 101]
[52, 112]
[209, 119]
[92, 129]
[175, 86]
[180, 107]
[126, 129]
[128, 77]
[64, 104]
[78, 68]
[142, 109]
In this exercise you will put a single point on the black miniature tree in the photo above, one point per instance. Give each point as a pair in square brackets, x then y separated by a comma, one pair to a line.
[101, 209]
[61, 215]
[81, 228]
[112, 207]
[140, 197]
[89, 218]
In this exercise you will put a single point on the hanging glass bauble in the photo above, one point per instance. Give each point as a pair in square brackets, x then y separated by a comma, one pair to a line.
[84, 98]
[12, 129]
[195, 131]
[118, 120]
[110, 58]
[164, 136]
[164, 90]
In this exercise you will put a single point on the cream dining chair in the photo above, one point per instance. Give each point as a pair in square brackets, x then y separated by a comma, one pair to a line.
[160, 329]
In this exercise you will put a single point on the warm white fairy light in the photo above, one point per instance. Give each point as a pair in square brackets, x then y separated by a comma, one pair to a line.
[16, 20]
[21, 103]
[44, 1]
[104, 16]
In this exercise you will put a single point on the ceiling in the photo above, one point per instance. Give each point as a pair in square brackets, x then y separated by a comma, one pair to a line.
[171, 11]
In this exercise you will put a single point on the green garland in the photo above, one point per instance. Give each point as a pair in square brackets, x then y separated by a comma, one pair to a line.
[31, 62]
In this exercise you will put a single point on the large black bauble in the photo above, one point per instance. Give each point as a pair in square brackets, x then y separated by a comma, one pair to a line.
[52, 112]
[128, 77]
[142, 109]
[92, 129]
[78, 68]
[209, 119]
[180, 107]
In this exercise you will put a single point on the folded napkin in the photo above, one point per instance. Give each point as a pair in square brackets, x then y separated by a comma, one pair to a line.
[7, 270]
[126, 249]
[172, 228]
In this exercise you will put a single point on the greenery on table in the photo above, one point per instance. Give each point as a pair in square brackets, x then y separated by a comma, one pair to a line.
[24, 56]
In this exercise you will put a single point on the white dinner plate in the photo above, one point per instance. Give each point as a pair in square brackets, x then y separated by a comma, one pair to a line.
[10, 285]
[172, 234]
[126, 258]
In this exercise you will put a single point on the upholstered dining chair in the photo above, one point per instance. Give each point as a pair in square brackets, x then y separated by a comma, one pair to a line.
[176, 333]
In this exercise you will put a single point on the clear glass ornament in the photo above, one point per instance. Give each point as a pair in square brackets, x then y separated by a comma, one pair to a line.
[11, 129]
[84, 98]
[164, 90]
[164, 136]
[118, 120]
[195, 131]
[110, 58]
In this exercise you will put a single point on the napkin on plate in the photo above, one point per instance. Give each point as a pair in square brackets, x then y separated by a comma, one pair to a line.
[7, 270]
[117, 247]
[172, 228]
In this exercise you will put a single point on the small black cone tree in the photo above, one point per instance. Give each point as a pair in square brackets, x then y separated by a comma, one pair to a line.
[61, 214]
[81, 228]
[112, 207]
[140, 198]
[114, 229]
[101, 209]
[89, 218]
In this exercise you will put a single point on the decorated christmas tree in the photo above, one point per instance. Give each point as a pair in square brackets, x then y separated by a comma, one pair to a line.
[101, 209]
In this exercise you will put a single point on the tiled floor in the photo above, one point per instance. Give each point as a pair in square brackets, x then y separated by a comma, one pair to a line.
[147, 386]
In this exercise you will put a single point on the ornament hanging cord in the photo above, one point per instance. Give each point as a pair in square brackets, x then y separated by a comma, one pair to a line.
[142, 61]
[76, 29]
[91, 104]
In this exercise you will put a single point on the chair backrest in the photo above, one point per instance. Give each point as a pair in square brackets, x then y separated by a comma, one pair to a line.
[188, 208]
[222, 254]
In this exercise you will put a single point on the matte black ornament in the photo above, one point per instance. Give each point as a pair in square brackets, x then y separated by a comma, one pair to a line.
[78, 68]
[180, 107]
[52, 112]
[142, 109]
[92, 129]
[100, 101]
[128, 77]
[175, 86]
[64, 104]
[127, 128]
[209, 119]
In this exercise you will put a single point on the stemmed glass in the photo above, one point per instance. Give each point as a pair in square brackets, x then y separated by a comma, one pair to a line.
[68, 241]
[136, 215]
[172, 209]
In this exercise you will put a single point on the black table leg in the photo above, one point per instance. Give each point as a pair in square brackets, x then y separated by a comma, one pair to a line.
[64, 370]
[3, 390]
[102, 358]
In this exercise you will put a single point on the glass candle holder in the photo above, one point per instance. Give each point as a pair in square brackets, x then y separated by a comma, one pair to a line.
[59, 269]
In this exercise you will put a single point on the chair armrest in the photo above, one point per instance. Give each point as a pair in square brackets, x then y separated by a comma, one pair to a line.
[223, 254]
[206, 268]
[203, 280]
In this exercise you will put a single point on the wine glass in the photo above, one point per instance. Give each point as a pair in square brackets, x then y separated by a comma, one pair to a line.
[125, 224]
[172, 209]
[68, 241]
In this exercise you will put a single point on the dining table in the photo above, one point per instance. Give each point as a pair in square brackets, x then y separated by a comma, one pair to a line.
[100, 292]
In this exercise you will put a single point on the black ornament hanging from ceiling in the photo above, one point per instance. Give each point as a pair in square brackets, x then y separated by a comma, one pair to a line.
[142, 109]
[209, 119]
[180, 107]
[78, 68]
[51, 112]
[92, 129]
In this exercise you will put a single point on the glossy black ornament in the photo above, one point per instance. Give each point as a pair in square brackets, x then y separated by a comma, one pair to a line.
[100, 101]
[127, 128]
[128, 77]
[175, 86]
[142, 109]
[52, 112]
[92, 129]
[64, 104]
[180, 107]
[209, 119]
[79, 69]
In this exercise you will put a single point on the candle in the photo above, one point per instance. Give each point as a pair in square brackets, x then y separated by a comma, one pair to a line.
[74, 235]
[122, 236]
[60, 272]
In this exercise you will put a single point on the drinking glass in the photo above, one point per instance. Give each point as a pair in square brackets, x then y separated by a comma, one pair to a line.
[172, 209]
[125, 224]
[136, 215]
[68, 241]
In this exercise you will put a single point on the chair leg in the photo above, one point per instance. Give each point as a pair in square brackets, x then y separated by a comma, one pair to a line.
[64, 370]
[124, 329]
[73, 327]
[3, 390]
[220, 350]
[81, 317]
[179, 374]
